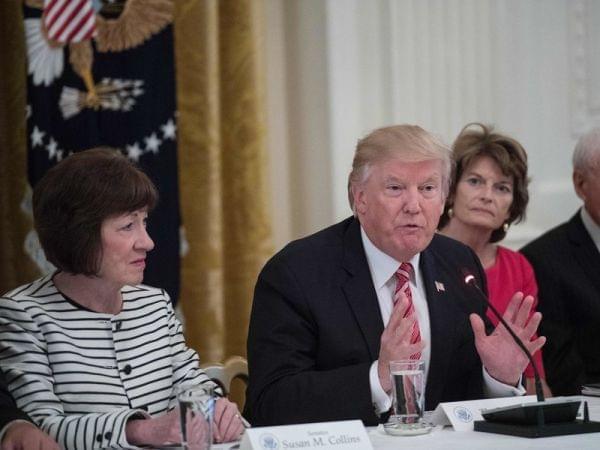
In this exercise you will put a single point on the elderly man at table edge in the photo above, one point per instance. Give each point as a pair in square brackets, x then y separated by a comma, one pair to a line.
[330, 312]
[566, 262]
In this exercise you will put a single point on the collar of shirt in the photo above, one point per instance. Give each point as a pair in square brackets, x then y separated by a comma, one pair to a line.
[592, 227]
[383, 267]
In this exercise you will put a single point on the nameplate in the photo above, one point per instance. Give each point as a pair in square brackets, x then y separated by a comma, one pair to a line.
[343, 435]
[461, 415]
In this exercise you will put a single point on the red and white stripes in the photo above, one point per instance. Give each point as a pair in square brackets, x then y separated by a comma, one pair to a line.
[403, 275]
[68, 21]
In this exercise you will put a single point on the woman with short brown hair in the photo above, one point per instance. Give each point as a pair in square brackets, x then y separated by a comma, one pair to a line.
[91, 354]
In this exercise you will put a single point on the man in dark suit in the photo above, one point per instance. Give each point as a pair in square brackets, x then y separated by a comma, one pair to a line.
[16, 430]
[566, 261]
[332, 310]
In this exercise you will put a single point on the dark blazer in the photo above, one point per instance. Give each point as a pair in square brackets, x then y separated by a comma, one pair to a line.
[315, 329]
[566, 263]
[8, 410]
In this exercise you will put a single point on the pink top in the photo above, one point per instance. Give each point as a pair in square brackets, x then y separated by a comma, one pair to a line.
[510, 273]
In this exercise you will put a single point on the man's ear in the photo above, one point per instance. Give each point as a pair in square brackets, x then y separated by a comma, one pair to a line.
[579, 181]
[360, 198]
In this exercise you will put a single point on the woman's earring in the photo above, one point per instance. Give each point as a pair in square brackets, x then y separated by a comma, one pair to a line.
[506, 226]
[450, 213]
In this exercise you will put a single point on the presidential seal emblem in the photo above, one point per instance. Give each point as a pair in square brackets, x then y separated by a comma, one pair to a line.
[463, 414]
[268, 442]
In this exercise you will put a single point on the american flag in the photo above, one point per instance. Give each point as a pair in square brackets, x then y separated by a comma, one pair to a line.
[68, 21]
[145, 129]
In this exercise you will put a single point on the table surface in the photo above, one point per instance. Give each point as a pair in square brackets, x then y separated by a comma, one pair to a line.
[445, 438]
[448, 439]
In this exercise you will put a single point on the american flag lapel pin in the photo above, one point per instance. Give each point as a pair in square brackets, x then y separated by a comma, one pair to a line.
[440, 286]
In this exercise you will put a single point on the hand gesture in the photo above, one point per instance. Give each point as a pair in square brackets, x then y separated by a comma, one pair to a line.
[228, 425]
[499, 353]
[395, 339]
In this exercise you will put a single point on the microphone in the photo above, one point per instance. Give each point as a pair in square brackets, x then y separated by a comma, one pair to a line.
[554, 417]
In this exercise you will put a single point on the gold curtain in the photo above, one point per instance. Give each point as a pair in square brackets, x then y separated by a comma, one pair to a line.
[222, 169]
[221, 166]
[16, 268]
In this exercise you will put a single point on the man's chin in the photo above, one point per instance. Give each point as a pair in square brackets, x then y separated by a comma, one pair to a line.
[415, 244]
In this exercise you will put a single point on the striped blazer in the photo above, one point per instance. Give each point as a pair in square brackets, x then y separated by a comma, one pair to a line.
[81, 374]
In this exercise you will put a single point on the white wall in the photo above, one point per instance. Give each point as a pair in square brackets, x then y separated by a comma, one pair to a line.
[339, 68]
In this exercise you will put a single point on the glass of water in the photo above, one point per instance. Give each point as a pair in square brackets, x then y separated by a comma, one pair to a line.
[196, 408]
[408, 383]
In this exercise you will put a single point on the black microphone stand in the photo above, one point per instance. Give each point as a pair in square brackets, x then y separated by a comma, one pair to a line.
[540, 419]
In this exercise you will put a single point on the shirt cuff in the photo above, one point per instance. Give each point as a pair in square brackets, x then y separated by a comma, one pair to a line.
[382, 402]
[493, 388]
[8, 425]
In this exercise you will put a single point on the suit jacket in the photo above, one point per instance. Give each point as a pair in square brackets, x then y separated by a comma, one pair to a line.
[315, 329]
[8, 410]
[567, 267]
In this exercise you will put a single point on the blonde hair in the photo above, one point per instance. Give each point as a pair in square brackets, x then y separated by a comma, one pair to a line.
[409, 143]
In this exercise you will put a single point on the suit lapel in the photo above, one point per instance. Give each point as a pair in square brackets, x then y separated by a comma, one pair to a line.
[359, 290]
[440, 290]
[584, 249]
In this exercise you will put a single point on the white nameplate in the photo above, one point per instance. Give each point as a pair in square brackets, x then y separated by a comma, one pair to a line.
[461, 415]
[344, 435]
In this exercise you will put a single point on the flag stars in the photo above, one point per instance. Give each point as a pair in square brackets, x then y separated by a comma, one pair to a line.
[152, 143]
[168, 130]
[134, 152]
[52, 147]
[37, 137]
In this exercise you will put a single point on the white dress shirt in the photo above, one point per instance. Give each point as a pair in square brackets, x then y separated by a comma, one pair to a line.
[592, 227]
[382, 268]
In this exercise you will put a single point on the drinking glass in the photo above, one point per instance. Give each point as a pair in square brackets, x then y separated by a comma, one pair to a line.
[196, 407]
[408, 382]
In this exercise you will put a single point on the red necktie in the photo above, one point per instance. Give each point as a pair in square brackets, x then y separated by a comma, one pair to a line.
[403, 276]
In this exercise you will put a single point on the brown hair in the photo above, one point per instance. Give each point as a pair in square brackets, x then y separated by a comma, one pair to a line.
[73, 199]
[510, 156]
[408, 142]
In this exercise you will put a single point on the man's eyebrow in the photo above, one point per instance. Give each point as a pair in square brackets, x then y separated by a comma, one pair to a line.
[433, 177]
